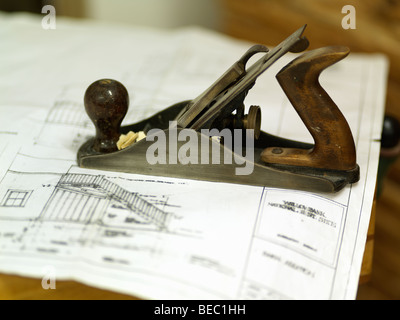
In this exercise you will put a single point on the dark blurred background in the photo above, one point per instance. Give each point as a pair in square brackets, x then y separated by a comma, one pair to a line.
[268, 22]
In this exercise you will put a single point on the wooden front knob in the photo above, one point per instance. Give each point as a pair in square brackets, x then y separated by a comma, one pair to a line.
[106, 103]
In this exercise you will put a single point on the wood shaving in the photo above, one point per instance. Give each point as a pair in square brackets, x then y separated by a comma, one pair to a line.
[125, 140]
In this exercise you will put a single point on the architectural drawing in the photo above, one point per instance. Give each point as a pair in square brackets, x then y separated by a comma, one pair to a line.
[16, 198]
[77, 211]
[77, 197]
[66, 118]
[68, 113]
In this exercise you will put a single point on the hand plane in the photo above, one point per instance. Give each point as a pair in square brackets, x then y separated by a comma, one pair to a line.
[214, 126]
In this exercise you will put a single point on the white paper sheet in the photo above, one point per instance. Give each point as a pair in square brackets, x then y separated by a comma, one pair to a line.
[166, 238]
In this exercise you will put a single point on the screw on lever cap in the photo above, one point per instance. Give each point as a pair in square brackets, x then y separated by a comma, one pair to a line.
[106, 103]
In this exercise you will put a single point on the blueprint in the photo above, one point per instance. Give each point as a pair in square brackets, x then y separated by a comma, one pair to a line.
[168, 238]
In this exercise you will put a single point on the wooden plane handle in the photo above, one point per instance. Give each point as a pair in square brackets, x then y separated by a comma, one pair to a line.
[334, 145]
[106, 103]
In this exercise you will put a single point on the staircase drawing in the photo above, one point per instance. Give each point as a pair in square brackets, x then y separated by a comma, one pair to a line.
[79, 198]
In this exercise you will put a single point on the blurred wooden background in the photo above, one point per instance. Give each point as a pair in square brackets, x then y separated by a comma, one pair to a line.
[377, 30]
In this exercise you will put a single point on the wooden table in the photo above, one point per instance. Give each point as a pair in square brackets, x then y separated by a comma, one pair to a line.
[22, 288]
